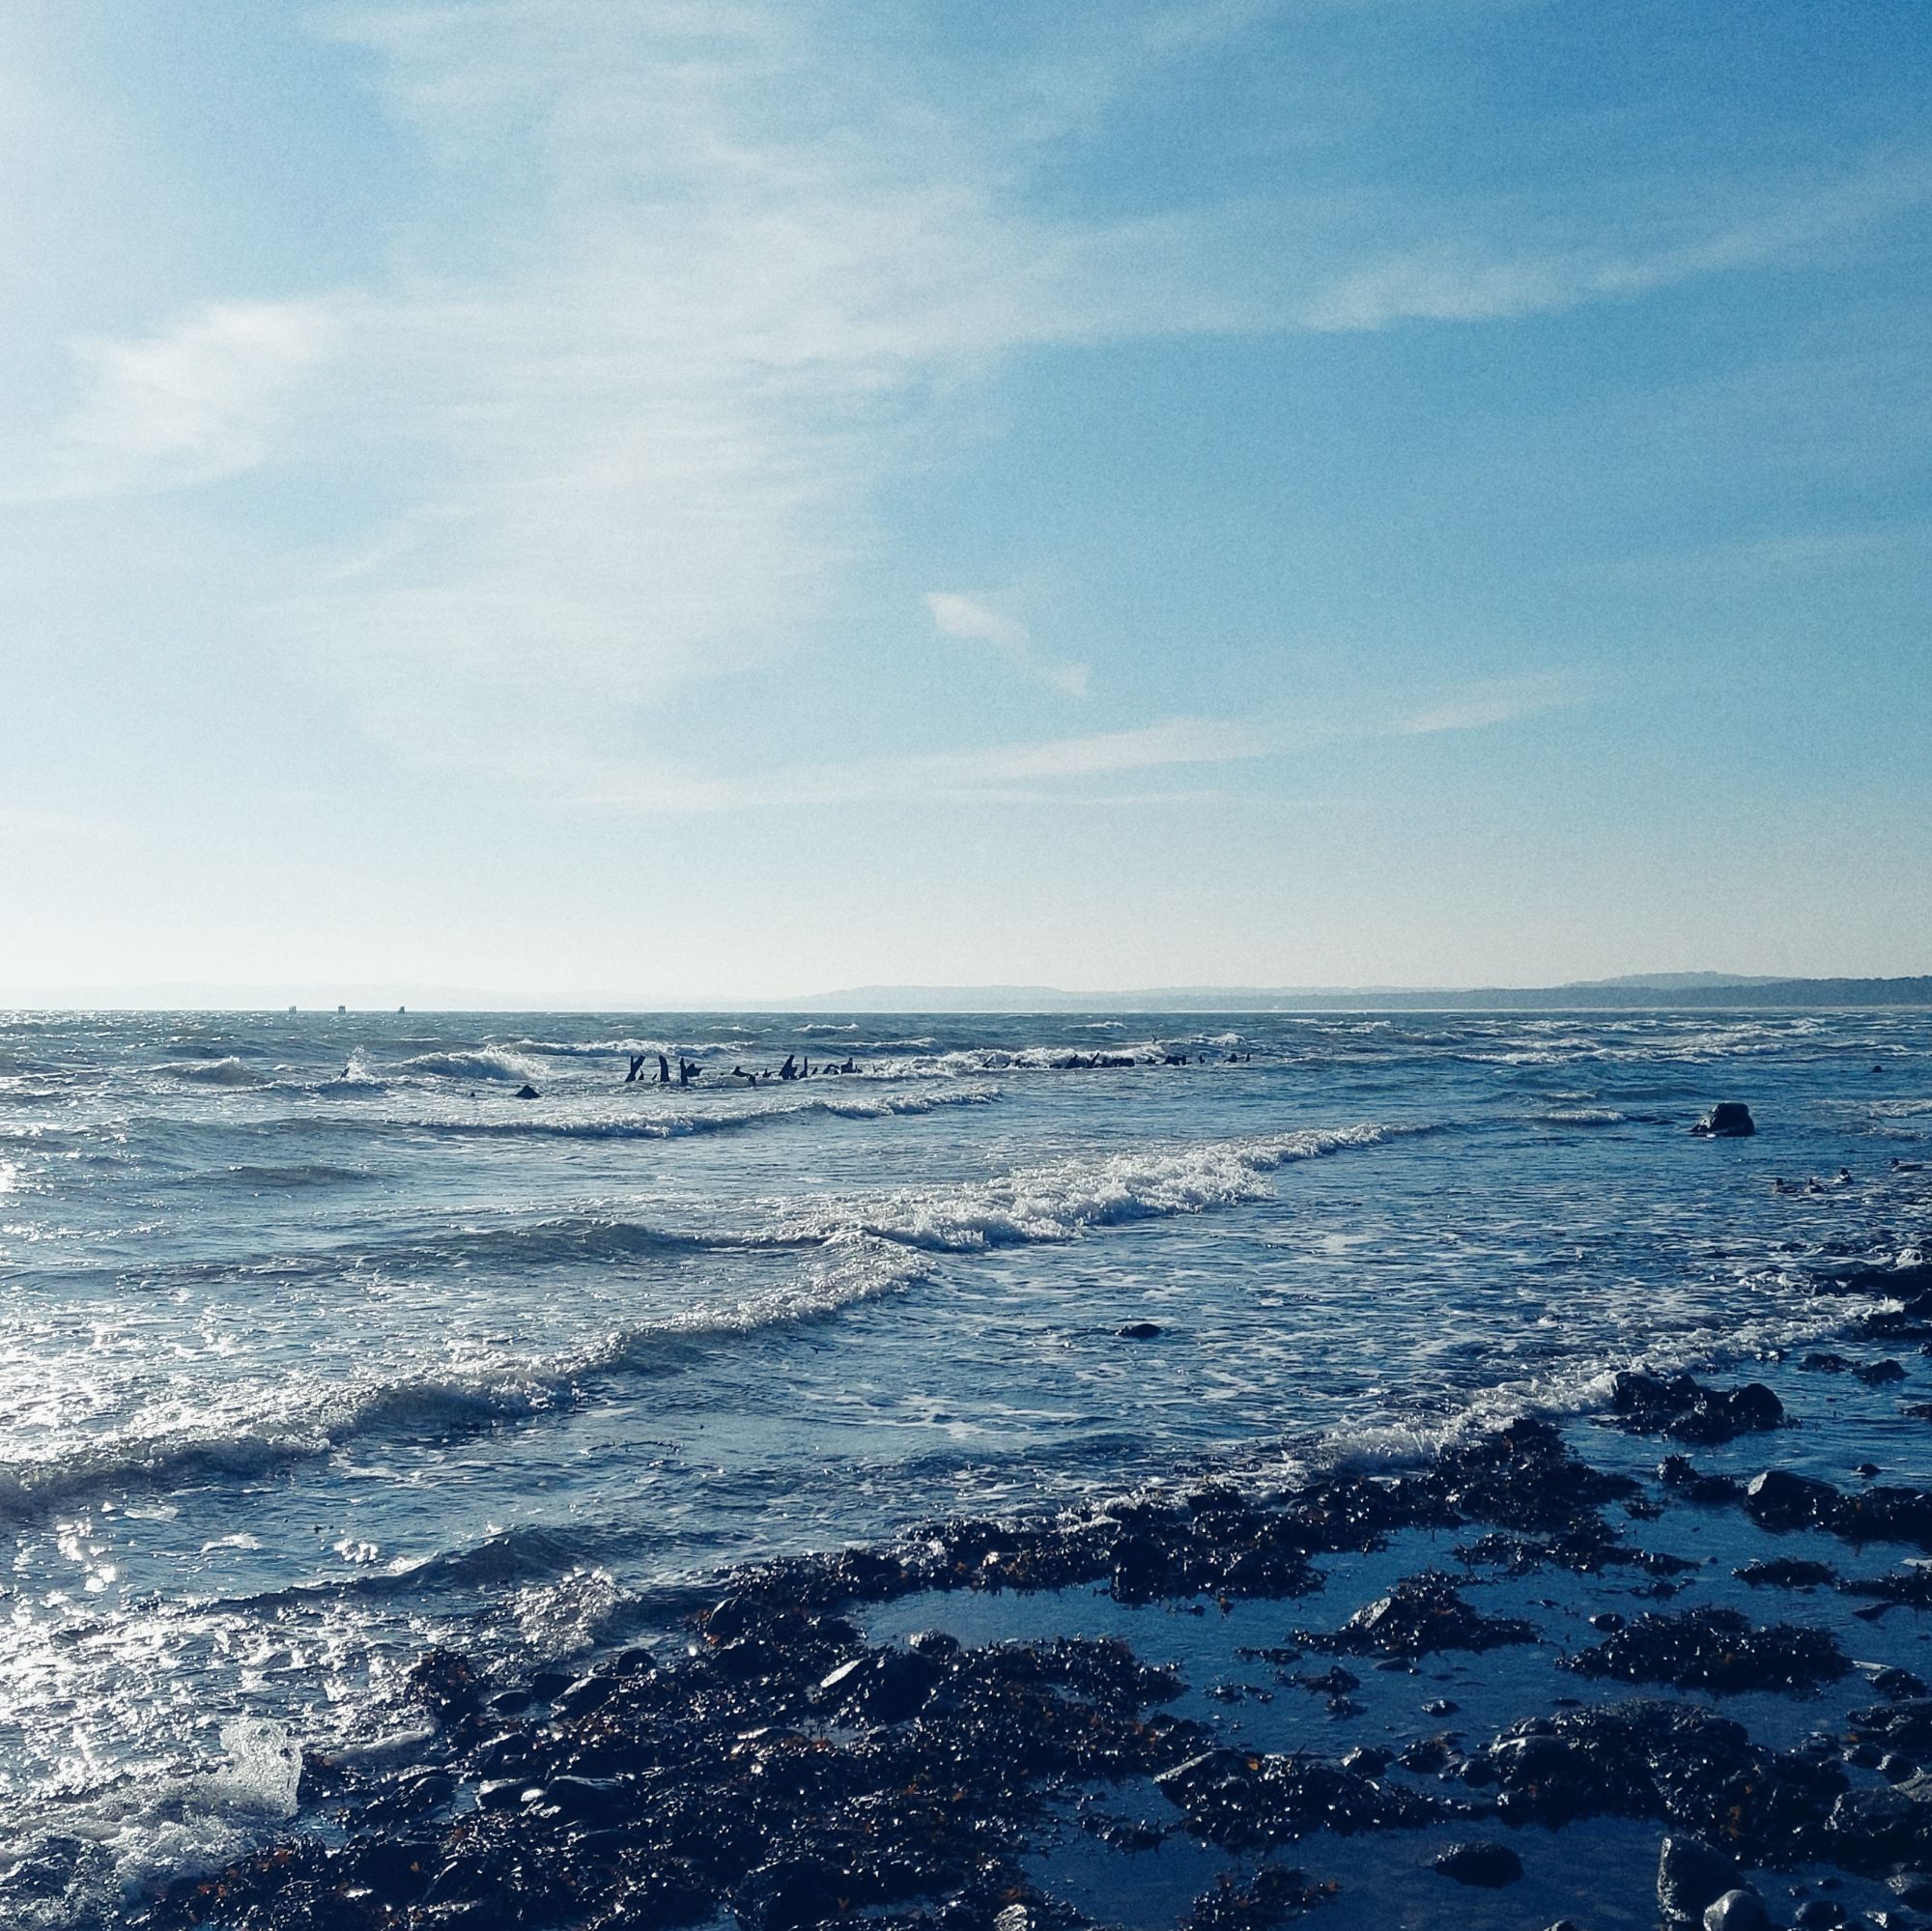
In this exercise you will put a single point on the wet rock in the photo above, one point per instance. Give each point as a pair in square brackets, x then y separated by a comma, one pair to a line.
[884, 1687]
[1676, 1473]
[1786, 1573]
[1885, 1513]
[1272, 1896]
[1691, 1875]
[1421, 1614]
[1524, 1477]
[1139, 1330]
[1740, 1910]
[789, 1892]
[1244, 1801]
[527, 1092]
[1873, 1827]
[1488, 1866]
[1717, 1649]
[1879, 1374]
[445, 1684]
[1685, 1407]
[1825, 1363]
[1912, 1889]
[1779, 1499]
[1819, 1913]
[1728, 1120]
[1672, 1761]
[1905, 1726]
[1897, 1683]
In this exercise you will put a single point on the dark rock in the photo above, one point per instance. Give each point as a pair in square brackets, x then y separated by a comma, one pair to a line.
[1671, 1761]
[1717, 1649]
[445, 1684]
[1421, 1614]
[1786, 1573]
[1682, 1407]
[1244, 1802]
[1740, 1910]
[1728, 1120]
[528, 1093]
[1878, 1373]
[1885, 1513]
[1488, 1866]
[1897, 1683]
[1873, 1827]
[1272, 1896]
[1779, 1499]
[789, 1892]
[1691, 1875]
[1912, 1887]
[1825, 1363]
[1819, 1913]
[1139, 1330]
[884, 1687]
[1675, 1472]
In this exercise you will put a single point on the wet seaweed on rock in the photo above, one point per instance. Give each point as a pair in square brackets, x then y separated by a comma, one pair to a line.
[1685, 1407]
[1422, 1614]
[1717, 1649]
[718, 1779]
[1244, 1801]
[1674, 1761]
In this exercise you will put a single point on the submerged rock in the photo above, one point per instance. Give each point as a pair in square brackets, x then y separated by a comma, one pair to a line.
[1786, 1573]
[1728, 1120]
[1488, 1866]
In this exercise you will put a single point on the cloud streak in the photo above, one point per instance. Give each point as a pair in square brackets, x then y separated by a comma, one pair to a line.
[956, 617]
[740, 259]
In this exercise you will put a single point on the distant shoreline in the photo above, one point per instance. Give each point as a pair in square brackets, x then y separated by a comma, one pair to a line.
[1701, 992]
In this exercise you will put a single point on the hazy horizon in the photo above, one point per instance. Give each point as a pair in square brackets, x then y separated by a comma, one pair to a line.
[538, 494]
[379, 997]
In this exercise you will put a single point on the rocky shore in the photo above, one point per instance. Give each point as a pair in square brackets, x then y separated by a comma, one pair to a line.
[1666, 1662]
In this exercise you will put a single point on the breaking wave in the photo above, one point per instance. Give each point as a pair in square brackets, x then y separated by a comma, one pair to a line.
[459, 1397]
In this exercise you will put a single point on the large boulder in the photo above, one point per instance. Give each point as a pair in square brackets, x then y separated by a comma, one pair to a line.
[1728, 1120]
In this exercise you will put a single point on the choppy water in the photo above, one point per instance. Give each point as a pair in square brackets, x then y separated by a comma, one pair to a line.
[316, 1343]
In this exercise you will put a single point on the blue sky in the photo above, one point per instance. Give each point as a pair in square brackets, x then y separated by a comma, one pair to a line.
[583, 498]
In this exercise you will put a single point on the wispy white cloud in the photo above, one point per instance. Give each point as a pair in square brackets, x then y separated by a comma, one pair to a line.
[197, 402]
[958, 617]
[1047, 770]
[1481, 705]
[642, 413]
[1474, 270]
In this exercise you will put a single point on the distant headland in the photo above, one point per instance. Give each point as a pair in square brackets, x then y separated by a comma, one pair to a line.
[1634, 991]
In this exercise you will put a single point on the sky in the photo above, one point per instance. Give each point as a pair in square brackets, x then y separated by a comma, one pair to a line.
[670, 499]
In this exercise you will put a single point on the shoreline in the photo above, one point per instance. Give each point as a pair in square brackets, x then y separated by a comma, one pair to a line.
[1552, 1645]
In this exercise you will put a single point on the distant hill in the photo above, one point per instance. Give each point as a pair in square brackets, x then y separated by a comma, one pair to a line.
[1637, 991]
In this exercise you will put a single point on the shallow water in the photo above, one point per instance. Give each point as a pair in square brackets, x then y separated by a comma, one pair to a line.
[319, 1344]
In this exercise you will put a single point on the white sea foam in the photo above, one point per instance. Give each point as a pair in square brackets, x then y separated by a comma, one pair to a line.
[484, 1063]
[302, 1423]
[1057, 1201]
[643, 1118]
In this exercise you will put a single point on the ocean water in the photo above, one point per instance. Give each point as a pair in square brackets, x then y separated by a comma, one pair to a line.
[319, 1344]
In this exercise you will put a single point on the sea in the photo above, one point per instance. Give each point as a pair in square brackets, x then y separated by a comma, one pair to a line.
[323, 1341]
